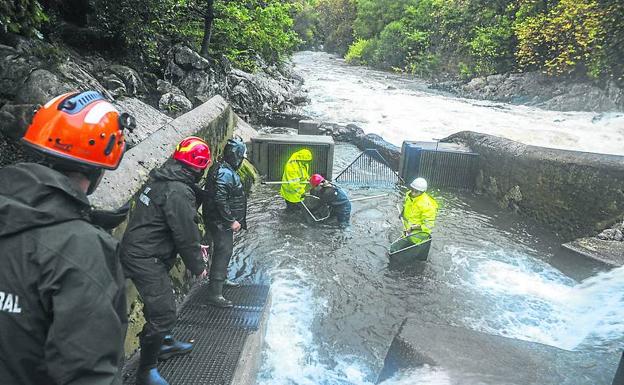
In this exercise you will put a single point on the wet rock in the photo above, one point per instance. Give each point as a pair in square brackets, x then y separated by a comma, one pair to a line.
[174, 104]
[538, 89]
[40, 87]
[114, 84]
[611, 235]
[388, 151]
[187, 59]
[15, 119]
[164, 87]
[130, 78]
[14, 69]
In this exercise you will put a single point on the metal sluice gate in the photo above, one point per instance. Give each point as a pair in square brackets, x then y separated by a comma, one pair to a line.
[369, 169]
[219, 337]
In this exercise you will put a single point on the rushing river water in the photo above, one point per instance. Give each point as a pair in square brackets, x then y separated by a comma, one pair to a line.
[402, 108]
[336, 305]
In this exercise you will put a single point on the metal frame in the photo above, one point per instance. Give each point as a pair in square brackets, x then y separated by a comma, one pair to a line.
[310, 212]
[375, 157]
[406, 248]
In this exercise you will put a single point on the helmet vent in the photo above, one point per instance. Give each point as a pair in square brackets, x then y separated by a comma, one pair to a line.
[78, 102]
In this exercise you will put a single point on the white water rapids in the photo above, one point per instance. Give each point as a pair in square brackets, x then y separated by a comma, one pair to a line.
[335, 305]
[401, 108]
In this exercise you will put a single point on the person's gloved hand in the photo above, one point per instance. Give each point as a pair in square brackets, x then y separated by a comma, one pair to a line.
[109, 219]
[203, 274]
[204, 252]
[235, 226]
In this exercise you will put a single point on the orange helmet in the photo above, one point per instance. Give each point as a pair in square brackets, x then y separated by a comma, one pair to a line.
[81, 128]
[193, 151]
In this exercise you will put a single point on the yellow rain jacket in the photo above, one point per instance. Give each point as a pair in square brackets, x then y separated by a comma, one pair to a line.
[297, 170]
[421, 211]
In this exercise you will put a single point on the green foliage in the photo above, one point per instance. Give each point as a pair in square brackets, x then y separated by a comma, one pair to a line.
[336, 18]
[243, 30]
[360, 52]
[561, 39]
[492, 47]
[23, 17]
[259, 28]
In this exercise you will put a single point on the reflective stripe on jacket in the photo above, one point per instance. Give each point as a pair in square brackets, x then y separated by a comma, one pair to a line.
[420, 210]
[297, 169]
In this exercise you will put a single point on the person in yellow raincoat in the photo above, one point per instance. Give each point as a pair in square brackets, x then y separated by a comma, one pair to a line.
[419, 212]
[297, 174]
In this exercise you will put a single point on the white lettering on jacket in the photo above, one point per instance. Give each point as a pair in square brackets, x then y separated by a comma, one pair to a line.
[144, 198]
[9, 303]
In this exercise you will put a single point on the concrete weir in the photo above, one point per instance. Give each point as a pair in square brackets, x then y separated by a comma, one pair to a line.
[469, 357]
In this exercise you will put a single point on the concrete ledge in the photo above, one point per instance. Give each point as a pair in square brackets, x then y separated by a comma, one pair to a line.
[609, 252]
[470, 358]
[574, 193]
[213, 121]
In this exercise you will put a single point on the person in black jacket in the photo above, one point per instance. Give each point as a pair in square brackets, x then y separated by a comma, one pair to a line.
[333, 196]
[163, 223]
[62, 297]
[224, 208]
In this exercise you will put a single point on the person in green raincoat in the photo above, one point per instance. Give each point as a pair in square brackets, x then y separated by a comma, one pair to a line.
[419, 212]
[297, 174]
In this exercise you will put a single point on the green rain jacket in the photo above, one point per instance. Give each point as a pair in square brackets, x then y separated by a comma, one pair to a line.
[421, 211]
[297, 169]
[62, 297]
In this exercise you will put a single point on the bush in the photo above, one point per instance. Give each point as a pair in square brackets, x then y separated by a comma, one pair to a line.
[23, 17]
[361, 52]
[492, 47]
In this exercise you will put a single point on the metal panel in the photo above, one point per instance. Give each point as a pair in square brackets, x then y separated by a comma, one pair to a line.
[450, 167]
[278, 153]
[271, 152]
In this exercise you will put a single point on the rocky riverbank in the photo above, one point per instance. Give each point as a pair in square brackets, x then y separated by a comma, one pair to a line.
[33, 71]
[540, 90]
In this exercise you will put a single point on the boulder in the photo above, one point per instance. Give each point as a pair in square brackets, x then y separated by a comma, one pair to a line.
[14, 119]
[133, 83]
[14, 70]
[187, 59]
[164, 87]
[41, 86]
[114, 84]
[174, 104]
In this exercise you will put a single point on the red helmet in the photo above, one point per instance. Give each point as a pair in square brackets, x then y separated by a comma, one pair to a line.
[316, 180]
[193, 151]
[82, 129]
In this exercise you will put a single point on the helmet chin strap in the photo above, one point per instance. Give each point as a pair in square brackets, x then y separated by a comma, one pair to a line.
[95, 177]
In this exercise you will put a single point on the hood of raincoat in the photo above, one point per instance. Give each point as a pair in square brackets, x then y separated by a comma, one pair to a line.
[301, 155]
[32, 195]
[173, 170]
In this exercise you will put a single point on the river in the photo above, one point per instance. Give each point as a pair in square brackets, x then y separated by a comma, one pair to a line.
[336, 305]
[399, 107]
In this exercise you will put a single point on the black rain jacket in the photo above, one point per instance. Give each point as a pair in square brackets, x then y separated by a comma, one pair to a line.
[223, 198]
[163, 222]
[331, 195]
[62, 296]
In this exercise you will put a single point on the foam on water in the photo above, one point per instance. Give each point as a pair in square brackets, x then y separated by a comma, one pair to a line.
[402, 108]
[527, 299]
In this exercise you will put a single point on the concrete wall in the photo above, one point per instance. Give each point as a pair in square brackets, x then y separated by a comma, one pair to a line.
[574, 193]
[213, 121]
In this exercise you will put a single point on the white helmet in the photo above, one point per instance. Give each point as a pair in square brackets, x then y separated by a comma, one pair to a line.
[419, 184]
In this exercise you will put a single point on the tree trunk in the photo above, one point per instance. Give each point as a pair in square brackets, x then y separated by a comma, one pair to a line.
[208, 19]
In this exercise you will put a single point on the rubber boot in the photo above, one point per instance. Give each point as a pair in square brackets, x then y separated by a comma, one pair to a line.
[231, 283]
[172, 347]
[147, 372]
[215, 294]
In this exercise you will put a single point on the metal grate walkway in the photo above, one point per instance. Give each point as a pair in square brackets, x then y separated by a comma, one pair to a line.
[219, 336]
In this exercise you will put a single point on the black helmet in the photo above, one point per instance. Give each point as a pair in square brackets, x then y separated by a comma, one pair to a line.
[234, 152]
